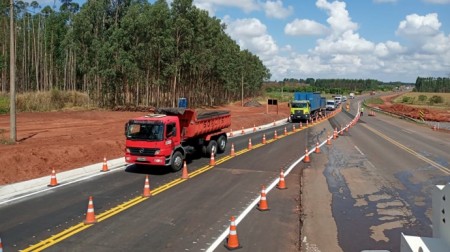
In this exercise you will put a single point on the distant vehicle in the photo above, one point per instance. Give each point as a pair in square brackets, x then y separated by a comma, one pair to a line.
[331, 105]
[344, 98]
[306, 105]
[338, 99]
[372, 93]
[352, 95]
[165, 138]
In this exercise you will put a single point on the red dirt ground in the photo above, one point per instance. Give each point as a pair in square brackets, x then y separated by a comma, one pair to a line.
[430, 114]
[73, 139]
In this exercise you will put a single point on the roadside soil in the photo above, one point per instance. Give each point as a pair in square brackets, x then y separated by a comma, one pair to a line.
[68, 140]
[429, 113]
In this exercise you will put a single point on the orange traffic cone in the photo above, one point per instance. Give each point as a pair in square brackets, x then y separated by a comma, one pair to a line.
[1, 245]
[306, 159]
[262, 206]
[242, 131]
[274, 123]
[232, 150]
[281, 184]
[231, 132]
[212, 161]
[293, 128]
[307, 124]
[264, 139]
[232, 240]
[328, 139]
[346, 129]
[147, 193]
[105, 165]
[275, 136]
[285, 131]
[300, 125]
[336, 135]
[342, 131]
[317, 148]
[254, 128]
[185, 174]
[53, 181]
[90, 215]
[249, 144]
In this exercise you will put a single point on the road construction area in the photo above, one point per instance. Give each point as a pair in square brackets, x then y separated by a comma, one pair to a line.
[368, 179]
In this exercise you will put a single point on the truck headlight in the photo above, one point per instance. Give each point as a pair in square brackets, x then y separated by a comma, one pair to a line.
[157, 152]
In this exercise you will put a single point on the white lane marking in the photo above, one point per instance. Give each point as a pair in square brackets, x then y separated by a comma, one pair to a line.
[356, 147]
[304, 239]
[373, 166]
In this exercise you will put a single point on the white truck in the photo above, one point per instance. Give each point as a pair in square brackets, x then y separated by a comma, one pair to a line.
[352, 95]
[331, 105]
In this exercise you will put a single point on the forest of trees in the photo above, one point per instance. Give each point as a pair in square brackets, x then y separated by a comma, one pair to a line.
[430, 84]
[127, 52]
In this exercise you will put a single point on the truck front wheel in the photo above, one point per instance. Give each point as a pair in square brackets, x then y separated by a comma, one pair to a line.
[177, 161]
[221, 144]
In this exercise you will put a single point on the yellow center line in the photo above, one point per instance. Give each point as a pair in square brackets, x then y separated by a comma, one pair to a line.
[132, 202]
[414, 153]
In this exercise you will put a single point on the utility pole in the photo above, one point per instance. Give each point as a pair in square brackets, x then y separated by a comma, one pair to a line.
[12, 74]
[242, 89]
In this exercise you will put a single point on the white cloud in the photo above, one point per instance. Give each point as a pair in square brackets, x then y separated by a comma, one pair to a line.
[419, 26]
[304, 27]
[389, 48]
[339, 19]
[251, 34]
[275, 9]
[212, 5]
[438, 1]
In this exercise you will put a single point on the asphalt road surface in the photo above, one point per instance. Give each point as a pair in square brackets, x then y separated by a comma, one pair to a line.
[182, 214]
[374, 183]
[371, 184]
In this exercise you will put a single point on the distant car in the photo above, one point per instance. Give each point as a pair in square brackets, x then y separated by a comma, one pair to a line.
[331, 105]
[338, 100]
[344, 98]
[352, 95]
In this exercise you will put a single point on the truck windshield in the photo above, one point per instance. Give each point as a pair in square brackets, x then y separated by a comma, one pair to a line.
[152, 132]
[299, 105]
[330, 103]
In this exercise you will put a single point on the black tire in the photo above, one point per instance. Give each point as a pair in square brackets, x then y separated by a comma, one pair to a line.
[221, 144]
[211, 148]
[177, 161]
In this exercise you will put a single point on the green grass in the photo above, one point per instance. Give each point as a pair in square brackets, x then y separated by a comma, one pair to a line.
[46, 101]
[374, 101]
[4, 104]
[421, 99]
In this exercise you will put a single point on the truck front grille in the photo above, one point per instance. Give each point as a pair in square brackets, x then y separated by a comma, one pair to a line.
[143, 151]
[299, 112]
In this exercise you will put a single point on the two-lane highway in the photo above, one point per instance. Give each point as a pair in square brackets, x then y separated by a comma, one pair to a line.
[184, 214]
[379, 179]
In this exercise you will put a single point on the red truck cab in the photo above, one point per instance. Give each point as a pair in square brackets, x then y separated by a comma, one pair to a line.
[165, 138]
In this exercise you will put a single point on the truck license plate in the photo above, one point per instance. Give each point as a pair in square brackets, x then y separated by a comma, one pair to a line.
[141, 159]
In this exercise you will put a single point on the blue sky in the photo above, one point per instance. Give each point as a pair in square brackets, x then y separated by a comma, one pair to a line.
[388, 40]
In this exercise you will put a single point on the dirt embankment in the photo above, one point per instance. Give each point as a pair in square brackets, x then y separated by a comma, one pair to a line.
[425, 113]
[73, 139]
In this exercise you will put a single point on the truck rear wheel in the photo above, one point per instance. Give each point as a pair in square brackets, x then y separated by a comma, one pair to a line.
[177, 161]
[211, 148]
[221, 144]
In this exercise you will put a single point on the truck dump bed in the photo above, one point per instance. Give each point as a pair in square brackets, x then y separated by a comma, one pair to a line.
[199, 122]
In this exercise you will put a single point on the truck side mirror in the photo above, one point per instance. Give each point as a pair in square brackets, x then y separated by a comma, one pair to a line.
[289, 105]
[126, 128]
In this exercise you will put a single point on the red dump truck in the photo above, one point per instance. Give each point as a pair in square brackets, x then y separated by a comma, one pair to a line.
[167, 136]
